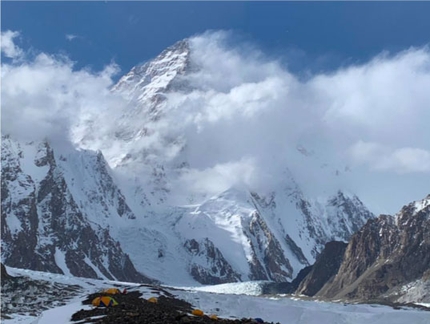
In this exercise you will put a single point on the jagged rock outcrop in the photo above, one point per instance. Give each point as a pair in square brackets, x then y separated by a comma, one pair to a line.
[324, 269]
[388, 252]
[204, 254]
[273, 265]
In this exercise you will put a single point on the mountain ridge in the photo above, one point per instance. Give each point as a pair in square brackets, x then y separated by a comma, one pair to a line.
[387, 254]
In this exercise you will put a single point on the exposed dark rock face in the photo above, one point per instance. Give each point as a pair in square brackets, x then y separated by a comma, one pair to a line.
[219, 270]
[386, 253]
[375, 241]
[296, 250]
[300, 277]
[274, 288]
[4, 274]
[286, 287]
[275, 266]
[324, 269]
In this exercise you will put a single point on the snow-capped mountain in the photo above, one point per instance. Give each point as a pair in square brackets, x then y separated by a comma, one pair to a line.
[45, 222]
[103, 207]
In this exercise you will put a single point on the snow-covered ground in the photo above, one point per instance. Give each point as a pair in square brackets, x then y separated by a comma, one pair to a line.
[229, 301]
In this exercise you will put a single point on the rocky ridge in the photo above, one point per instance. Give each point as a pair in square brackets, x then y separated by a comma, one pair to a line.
[387, 254]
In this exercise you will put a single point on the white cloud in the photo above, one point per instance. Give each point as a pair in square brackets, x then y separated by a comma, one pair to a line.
[46, 98]
[8, 47]
[384, 100]
[218, 178]
[409, 159]
[71, 37]
[400, 160]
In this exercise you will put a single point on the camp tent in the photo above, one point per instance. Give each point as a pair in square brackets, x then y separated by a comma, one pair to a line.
[197, 312]
[111, 291]
[153, 300]
[104, 301]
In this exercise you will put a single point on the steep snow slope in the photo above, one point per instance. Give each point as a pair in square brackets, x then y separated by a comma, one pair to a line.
[267, 240]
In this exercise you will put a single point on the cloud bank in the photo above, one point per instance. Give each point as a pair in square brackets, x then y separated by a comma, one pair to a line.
[245, 118]
[45, 98]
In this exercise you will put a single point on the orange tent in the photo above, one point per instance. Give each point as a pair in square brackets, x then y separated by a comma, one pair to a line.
[197, 312]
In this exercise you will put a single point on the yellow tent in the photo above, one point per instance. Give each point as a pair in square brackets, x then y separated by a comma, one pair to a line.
[104, 301]
[153, 300]
[111, 291]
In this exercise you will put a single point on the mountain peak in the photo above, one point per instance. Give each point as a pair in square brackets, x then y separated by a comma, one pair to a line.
[412, 209]
[156, 73]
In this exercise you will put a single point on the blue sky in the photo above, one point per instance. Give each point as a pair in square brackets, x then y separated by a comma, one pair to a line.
[311, 36]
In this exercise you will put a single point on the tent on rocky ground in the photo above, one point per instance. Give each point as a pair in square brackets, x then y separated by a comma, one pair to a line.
[153, 300]
[104, 301]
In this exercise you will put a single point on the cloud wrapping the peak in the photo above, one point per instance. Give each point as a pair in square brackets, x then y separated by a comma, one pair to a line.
[239, 120]
[223, 67]
[369, 118]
